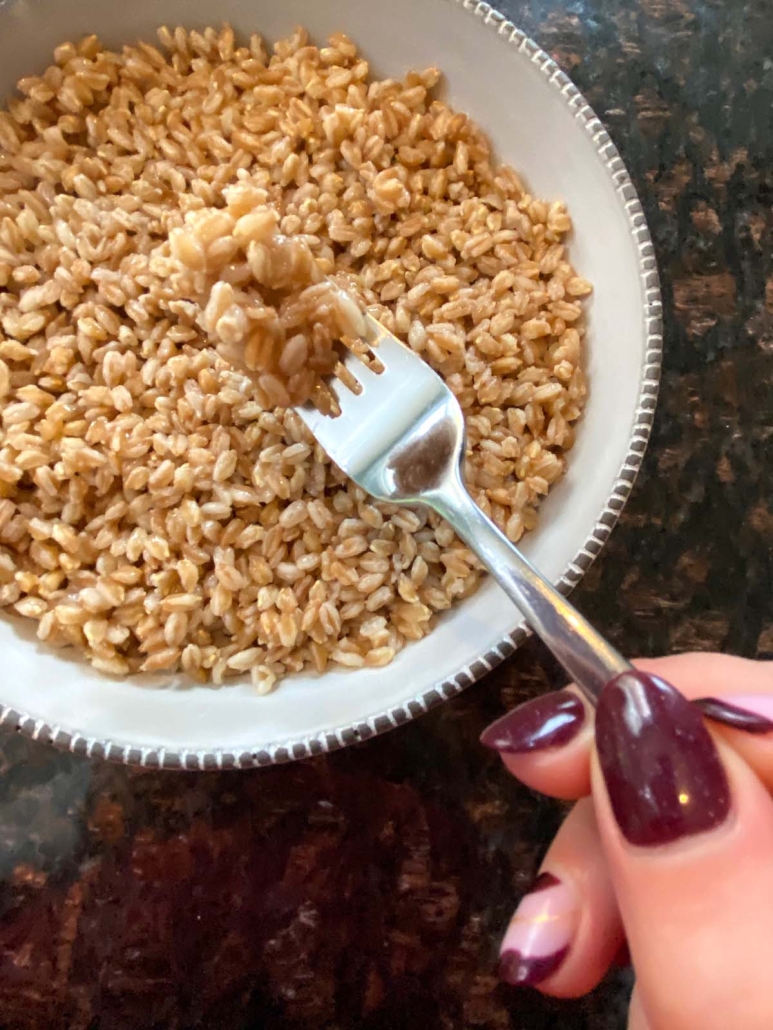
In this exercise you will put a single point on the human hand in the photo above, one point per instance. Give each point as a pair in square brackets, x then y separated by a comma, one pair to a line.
[672, 850]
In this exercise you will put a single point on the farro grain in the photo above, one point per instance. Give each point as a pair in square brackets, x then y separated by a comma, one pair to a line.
[154, 512]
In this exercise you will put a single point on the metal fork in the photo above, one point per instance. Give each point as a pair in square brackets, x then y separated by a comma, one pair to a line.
[402, 439]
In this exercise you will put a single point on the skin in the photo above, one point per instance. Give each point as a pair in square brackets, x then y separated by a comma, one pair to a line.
[695, 913]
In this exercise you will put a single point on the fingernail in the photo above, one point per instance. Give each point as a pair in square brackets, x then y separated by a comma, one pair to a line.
[548, 721]
[664, 777]
[540, 933]
[750, 712]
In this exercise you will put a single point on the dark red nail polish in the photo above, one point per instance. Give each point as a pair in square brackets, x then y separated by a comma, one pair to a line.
[733, 715]
[548, 721]
[663, 774]
[521, 971]
[622, 957]
[544, 882]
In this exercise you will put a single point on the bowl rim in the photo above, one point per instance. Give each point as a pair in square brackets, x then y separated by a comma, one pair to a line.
[73, 740]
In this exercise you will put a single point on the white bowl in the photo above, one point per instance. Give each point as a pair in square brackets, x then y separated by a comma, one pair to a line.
[539, 123]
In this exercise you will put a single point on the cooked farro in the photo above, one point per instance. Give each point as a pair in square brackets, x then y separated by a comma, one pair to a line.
[154, 512]
[263, 301]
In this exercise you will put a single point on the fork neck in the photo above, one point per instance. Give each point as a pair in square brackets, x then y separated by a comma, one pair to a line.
[588, 658]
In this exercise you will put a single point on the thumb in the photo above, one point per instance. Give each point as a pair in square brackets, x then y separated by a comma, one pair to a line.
[688, 833]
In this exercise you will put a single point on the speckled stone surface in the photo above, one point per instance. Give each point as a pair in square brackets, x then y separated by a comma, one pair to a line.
[368, 889]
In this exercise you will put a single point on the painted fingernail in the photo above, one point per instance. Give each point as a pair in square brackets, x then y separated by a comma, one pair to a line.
[540, 933]
[750, 712]
[664, 777]
[548, 721]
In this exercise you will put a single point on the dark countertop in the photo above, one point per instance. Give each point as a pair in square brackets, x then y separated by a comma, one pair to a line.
[368, 889]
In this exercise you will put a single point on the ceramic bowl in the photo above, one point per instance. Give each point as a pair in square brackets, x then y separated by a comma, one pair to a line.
[539, 123]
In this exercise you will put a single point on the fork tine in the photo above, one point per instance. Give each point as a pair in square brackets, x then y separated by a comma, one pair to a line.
[314, 419]
[376, 395]
[328, 429]
[365, 376]
[393, 354]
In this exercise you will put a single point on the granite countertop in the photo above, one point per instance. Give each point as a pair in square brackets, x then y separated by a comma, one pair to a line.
[368, 888]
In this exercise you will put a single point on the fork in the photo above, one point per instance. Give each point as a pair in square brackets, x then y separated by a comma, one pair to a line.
[401, 438]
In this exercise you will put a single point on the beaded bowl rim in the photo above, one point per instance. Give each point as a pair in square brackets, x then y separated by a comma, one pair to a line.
[184, 759]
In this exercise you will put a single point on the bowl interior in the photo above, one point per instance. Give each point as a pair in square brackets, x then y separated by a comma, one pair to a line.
[542, 132]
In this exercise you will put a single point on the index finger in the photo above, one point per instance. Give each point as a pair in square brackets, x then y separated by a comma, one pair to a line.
[559, 764]
[687, 831]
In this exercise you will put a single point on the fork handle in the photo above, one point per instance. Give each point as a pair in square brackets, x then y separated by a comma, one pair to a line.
[590, 660]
